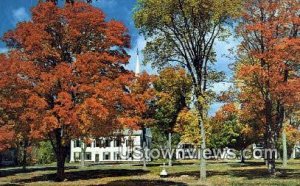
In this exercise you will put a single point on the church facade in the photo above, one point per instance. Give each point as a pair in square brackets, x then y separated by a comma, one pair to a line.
[129, 146]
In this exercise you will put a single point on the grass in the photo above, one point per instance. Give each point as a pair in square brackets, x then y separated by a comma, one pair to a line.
[181, 173]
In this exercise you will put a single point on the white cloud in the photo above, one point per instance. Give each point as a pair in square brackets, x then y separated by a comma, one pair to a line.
[19, 15]
[222, 86]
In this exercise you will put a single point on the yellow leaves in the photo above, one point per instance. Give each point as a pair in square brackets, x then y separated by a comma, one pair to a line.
[248, 131]
[187, 125]
[157, 14]
[230, 8]
[292, 133]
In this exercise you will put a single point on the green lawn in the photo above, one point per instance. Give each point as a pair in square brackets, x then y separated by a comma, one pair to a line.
[182, 173]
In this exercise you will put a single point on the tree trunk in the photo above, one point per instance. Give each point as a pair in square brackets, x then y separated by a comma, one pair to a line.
[170, 148]
[271, 157]
[60, 153]
[293, 155]
[242, 156]
[203, 160]
[270, 136]
[284, 148]
[203, 147]
[271, 165]
[143, 147]
[200, 115]
[83, 150]
[144, 155]
[60, 171]
[24, 158]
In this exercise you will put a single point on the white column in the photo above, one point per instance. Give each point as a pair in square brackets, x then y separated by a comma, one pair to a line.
[72, 152]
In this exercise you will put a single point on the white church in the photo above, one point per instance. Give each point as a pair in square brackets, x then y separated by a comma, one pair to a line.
[127, 145]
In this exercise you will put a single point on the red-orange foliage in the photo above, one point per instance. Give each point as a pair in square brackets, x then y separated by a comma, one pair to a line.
[73, 61]
[17, 97]
[226, 112]
[268, 69]
[6, 137]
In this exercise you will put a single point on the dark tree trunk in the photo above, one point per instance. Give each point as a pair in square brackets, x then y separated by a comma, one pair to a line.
[242, 156]
[270, 136]
[60, 171]
[24, 158]
[144, 148]
[60, 152]
[271, 157]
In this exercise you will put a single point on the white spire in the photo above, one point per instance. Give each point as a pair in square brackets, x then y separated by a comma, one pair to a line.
[137, 65]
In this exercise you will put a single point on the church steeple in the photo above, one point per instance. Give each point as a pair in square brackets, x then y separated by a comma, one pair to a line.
[137, 64]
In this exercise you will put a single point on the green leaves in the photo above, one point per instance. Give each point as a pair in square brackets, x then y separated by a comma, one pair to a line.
[173, 92]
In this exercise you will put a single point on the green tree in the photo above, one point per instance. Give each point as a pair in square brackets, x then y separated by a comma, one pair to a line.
[229, 129]
[184, 32]
[44, 153]
[173, 91]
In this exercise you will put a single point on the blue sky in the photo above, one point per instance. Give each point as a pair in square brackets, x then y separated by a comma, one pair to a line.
[14, 11]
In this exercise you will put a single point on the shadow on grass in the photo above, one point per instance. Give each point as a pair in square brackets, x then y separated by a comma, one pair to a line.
[255, 173]
[246, 164]
[217, 162]
[160, 164]
[263, 173]
[18, 170]
[85, 175]
[196, 174]
[145, 183]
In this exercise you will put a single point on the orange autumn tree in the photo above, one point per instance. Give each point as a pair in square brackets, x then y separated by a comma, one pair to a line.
[79, 81]
[18, 108]
[269, 58]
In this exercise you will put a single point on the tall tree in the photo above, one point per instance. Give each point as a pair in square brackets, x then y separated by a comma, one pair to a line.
[184, 32]
[74, 62]
[270, 33]
[173, 92]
